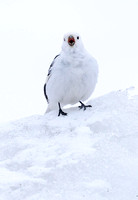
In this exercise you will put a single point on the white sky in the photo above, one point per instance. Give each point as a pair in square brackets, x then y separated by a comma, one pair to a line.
[31, 33]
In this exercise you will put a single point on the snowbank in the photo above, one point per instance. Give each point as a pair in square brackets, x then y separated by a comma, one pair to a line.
[88, 155]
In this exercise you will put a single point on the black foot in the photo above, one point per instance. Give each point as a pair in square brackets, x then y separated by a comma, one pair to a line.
[83, 106]
[61, 111]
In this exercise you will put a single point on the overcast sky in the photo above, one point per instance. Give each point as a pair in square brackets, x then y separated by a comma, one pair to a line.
[31, 33]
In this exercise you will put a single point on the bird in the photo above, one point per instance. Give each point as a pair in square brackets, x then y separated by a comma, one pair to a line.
[72, 76]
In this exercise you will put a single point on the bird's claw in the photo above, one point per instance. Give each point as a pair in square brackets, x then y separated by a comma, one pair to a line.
[83, 106]
[61, 111]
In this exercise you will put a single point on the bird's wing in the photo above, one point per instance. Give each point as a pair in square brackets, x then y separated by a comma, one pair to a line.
[50, 68]
[48, 76]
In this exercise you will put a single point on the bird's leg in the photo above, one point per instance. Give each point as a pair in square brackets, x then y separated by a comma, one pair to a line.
[61, 111]
[84, 106]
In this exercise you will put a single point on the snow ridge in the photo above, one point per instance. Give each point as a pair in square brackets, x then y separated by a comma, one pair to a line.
[86, 155]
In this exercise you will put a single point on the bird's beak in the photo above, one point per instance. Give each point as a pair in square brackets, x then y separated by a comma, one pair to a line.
[71, 40]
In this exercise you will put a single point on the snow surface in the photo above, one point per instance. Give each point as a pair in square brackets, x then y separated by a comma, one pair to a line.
[87, 155]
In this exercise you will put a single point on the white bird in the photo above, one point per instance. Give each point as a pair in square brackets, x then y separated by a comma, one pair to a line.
[72, 76]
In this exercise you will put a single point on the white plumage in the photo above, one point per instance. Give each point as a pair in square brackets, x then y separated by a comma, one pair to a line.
[72, 75]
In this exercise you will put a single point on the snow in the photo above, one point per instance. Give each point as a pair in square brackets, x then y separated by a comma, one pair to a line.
[86, 155]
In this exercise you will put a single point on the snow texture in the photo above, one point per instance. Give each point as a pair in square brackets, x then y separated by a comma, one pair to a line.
[87, 155]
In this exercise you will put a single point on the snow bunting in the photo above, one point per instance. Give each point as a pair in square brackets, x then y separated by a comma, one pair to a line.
[72, 76]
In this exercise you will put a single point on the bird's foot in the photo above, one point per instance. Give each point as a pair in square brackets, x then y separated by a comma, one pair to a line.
[84, 106]
[61, 111]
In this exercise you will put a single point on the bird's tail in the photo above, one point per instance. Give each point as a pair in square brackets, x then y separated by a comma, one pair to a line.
[50, 108]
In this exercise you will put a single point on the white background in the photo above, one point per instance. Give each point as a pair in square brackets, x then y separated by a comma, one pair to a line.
[31, 33]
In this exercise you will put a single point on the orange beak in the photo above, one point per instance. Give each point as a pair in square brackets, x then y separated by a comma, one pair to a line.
[71, 40]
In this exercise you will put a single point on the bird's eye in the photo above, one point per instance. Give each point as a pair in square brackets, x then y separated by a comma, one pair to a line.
[78, 37]
[64, 39]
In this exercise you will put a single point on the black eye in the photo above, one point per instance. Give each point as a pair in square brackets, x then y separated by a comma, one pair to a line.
[78, 37]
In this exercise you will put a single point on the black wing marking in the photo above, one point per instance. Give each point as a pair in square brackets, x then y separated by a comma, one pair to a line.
[49, 73]
[45, 93]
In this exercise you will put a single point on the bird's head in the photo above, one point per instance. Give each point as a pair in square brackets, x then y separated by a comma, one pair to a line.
[72, 43]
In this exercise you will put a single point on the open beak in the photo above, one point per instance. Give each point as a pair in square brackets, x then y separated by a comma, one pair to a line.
[71, 40]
